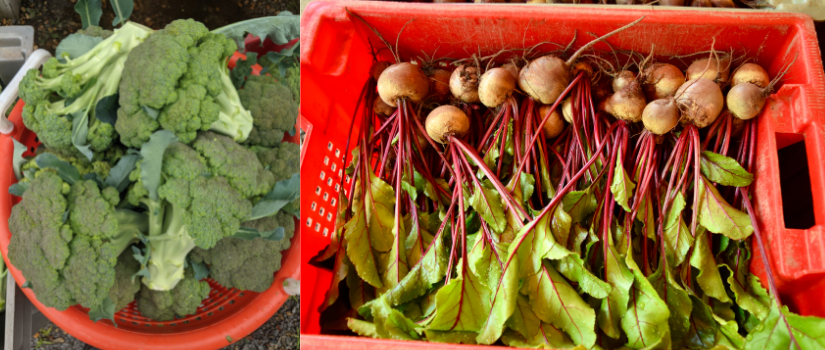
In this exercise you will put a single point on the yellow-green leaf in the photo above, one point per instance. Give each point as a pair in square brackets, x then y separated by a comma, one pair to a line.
[718, 216]
[773, 333]
[537, 240]
[359, 248]
[391, 323]
[678, 302]
[615, 305]
[486, 259]
[557, 303]
[622, 186]
[646, 320]
[579, 204]
[678, 239]
[548, 337]
[708, 278]
[572, 267]
[462, 304]
[451, 337]
[724, 170]
[488, 204]
[362, 328]
[379, 203]
[503, 304]
[431, 269]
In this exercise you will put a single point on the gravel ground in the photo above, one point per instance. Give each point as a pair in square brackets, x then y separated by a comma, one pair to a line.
[55, 19]
[280, 332]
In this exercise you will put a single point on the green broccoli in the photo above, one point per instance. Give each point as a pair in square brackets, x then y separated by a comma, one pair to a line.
[182, 300]
[293, 81]
[177, 80]
[62, 102]
[203, 197]
[273, 109]
[67, 236]
[96, 31]
[248, 264]
[123, 291]
[283, 161]
[100, 165]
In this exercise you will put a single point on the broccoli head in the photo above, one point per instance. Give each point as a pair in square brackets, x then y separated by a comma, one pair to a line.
[248, 264]
[182, 300]
[66, 238]
[63, 101]
[123, 291]
[236, 163]
[196, 205]
[293, 81]
[174, 81]
[283, 161]
[273, 109]
[96, 31]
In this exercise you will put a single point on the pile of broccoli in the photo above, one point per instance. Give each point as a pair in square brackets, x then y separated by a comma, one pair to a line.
[154, 174]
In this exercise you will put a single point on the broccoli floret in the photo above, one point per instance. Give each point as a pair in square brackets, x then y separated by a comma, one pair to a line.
[64, 99]
[273, 109]
[182, 300]
[196, 206]
[293, 81]
[96, 31]
[123, 291]
[178, 73]
[100, 164]
[66, 239]
[283, 161]
[248, 264]
[238, 164]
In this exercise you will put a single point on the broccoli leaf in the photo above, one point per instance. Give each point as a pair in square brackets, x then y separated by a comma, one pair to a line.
[119, 175]
[80, 131]
[282, 194]
[19, 188]
[106, 109]
[75, 45]
[249, 234]
[123, 10]
[104, 311]
[154, 113]
[243, 69]
[17, 158]
[283, 60]
[66, 171]
[281, 29]
[89, 11]
[201, 270]
[143, 258]
[152, 155]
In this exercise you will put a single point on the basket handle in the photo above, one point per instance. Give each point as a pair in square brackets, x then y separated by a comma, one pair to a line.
[9, 95]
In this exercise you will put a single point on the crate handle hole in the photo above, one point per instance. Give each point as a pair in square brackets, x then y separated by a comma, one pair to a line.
[795, 181]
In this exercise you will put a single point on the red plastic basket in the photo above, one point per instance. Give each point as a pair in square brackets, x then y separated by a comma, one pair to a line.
[335, 62]
[225, 317]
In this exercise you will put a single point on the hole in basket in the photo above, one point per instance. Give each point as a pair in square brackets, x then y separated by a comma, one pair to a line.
[321, 211]
[795, 180]
[220, 308]
[210, 314]
[332, 202]
[329, 146]
[173, 324]
[329, 181]
[326, 232]
[323, 175]
[309, 222]
[231, 302]
[318, 190]
[326, 161]
[313, 206]
[134, 323]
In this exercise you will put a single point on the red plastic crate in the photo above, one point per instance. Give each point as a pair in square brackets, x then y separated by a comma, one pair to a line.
[335, 62]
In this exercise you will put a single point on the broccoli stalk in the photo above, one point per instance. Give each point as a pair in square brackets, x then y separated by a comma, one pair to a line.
[90, 64]
[169, 243]
[234, 120]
